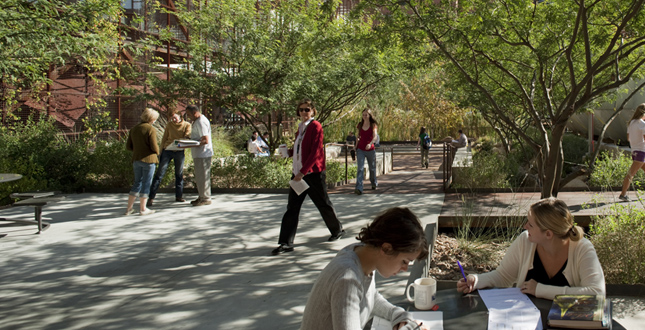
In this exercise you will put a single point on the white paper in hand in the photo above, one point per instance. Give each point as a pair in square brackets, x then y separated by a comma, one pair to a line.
[299, 186]
[432, 320]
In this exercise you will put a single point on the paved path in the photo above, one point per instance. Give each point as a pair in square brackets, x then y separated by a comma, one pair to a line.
[407, 177]
[187, 267]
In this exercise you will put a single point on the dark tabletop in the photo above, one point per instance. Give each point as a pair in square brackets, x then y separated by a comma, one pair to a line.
[468, 312]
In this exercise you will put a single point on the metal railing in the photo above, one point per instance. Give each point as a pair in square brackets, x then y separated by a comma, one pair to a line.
[448, 155]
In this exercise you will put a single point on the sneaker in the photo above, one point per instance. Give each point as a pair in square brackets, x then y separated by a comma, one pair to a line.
[195, 201]
[181, 200]
[147, 212]
[283, 248]
[336, 237]
[358, 192]
[624, 198]
[128, 212]
[203, 202]
[149, 203]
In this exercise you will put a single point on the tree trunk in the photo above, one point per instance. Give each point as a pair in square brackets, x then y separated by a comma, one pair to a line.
[552, 167]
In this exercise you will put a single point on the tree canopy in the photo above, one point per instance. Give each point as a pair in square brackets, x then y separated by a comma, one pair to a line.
[530, 65]
[259, 58]
[39, 36]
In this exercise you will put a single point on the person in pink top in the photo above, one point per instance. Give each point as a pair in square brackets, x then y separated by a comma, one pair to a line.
[636, 137]
[367, 136]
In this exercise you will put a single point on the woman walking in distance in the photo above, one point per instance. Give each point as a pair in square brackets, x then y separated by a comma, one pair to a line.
[367, 135]
[309, 165]
[636, 137]
[424, 148]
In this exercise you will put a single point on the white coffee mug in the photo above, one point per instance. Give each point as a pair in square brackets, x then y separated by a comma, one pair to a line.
[425, 293]
[282, 149]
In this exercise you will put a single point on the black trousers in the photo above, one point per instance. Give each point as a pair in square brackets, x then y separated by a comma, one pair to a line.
[318, 193]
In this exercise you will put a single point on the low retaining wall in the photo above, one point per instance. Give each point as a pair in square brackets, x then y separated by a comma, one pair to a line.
[463, 160]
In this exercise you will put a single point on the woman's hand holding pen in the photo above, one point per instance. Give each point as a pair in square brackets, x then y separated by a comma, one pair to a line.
[411, 325]
[464, 287]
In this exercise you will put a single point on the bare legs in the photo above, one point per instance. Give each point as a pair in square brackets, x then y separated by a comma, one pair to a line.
[630, 175]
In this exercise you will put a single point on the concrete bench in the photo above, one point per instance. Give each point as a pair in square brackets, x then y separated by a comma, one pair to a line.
[463, 160]
[37, 199]
[420, 268]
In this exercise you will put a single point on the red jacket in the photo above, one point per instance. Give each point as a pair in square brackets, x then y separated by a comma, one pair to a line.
[313, 153]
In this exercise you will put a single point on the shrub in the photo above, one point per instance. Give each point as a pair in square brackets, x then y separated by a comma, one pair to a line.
[610, 171]
[487, 170]
[45, 159]
[110, 165]
[265, 172]
[618, 240]
[336, 171]
[222, 143]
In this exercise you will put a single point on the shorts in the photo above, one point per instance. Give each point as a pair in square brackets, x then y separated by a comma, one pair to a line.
[638, 156]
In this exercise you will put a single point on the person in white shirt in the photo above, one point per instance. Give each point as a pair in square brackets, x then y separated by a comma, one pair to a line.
[255, 149]
[202, 154]
[249, 145]
[636, 137]
[461, 142]
[549, 258]
[263, 143]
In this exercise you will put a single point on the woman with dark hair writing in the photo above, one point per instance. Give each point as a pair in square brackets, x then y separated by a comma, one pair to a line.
[344, 297]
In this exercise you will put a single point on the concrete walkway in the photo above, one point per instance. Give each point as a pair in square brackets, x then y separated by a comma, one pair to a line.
[190, 267]
[181, 268]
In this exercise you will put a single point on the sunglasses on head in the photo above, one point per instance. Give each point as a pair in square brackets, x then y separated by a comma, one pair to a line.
[304, 109]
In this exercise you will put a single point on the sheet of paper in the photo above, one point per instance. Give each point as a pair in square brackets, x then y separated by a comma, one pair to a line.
[434, 321]
[510, 309]
[299, 186]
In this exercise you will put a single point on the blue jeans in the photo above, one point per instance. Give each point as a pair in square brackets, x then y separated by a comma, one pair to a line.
[143, 173]
[164, 160]
[371, 163]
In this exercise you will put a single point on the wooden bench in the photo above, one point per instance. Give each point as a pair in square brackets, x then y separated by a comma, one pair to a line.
[37, 199]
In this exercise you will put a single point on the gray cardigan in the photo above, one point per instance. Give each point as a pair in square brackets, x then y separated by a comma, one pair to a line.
[344, 298]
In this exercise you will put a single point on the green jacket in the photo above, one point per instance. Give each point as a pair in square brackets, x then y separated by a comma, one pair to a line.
[142, 141]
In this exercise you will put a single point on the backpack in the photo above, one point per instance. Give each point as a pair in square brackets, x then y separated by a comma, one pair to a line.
[427, 142]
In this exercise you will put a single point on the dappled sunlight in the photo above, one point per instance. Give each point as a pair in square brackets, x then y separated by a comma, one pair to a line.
[189, 267]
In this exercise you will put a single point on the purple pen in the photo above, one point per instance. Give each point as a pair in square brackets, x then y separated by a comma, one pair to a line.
[462, 272]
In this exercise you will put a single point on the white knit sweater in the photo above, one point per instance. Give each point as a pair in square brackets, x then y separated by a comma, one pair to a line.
[583, 270]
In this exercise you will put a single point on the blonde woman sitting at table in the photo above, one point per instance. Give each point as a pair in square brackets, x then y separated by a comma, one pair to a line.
[550, 257]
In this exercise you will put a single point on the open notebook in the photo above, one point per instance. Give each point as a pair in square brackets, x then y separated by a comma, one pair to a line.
[433, 320]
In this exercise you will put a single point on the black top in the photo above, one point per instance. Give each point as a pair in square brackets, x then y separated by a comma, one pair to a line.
[538, 273]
